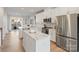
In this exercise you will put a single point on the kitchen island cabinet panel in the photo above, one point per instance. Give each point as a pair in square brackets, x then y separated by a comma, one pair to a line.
[36, 43]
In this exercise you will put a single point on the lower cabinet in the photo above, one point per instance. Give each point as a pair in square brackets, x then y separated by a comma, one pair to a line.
[31, 43]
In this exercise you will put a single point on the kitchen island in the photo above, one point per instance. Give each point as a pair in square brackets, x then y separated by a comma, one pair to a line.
[36, 42]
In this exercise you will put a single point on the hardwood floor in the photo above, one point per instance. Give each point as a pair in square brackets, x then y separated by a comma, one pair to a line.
[54, 48]
[12, 43]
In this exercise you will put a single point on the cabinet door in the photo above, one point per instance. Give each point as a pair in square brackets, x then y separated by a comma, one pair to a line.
[32, 44]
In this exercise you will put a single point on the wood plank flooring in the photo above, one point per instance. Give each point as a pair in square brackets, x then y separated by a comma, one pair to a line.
[12, 43]
[54, 48]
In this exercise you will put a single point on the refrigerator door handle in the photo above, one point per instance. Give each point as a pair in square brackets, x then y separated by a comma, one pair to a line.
[66, 36]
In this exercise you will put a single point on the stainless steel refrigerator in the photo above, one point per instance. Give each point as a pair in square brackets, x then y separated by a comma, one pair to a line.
[67, 32]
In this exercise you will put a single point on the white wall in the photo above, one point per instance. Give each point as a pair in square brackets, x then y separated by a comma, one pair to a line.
[5, 30]
[1, 16]
[8, 23]
[3, 21]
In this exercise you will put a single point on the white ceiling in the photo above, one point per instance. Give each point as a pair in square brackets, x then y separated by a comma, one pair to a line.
[23, 11]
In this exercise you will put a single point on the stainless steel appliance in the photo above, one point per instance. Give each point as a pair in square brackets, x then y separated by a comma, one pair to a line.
[67, 32]
[45, 29]
[47, 25]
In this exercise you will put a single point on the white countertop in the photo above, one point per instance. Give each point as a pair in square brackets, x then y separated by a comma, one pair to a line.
[36, 35]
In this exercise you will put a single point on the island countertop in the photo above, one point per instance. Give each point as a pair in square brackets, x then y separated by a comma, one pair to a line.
[37, 35]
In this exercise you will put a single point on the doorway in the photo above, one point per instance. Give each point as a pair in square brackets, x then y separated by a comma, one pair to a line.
[16, 22]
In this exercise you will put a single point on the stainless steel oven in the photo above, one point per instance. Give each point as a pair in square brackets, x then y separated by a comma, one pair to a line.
[45, 30]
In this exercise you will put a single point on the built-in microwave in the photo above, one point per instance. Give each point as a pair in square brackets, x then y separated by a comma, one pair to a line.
[47, 20]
